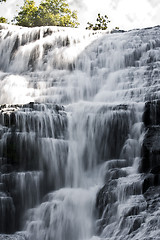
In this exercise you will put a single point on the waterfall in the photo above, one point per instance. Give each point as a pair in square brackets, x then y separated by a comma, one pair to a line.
[78, 132]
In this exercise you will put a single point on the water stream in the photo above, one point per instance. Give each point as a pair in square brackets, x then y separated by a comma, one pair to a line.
[71, 130]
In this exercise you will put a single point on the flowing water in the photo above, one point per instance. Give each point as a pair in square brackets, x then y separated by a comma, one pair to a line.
[71, 131]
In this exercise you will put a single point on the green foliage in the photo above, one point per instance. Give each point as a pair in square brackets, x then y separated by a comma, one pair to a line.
[3, 20]
[101, 23]
[48, 13]
[27, 16]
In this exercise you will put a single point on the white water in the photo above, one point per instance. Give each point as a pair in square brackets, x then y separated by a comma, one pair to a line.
[102, 81]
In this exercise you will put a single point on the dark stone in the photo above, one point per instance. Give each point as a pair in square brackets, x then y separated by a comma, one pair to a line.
[12, 237]
[47, 32]
[71, 66]
[108, 146]
[7, 168]
[36, 36]
[66, 42]
[151, 149]
[131, 59]
[105, 196]
[22, 154]
[7, 213]
[151, 114]
[136, 224]
[15, 47]
[147, 183]
[152, 197]
[33, 57]
[117, 31]
[115, 173]
[46, 48]
[151, 143]
[155, 170]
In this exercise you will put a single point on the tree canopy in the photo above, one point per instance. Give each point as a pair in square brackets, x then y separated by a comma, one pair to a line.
[48, 13]
[101, 23]
[3, 20]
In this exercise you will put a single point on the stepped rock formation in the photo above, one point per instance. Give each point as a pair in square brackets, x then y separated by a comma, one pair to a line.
[79, 134]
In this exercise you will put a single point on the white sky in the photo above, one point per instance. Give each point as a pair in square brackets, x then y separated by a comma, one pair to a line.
[125, 14]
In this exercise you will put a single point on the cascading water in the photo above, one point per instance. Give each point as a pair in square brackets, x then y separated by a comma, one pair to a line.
[71, 132]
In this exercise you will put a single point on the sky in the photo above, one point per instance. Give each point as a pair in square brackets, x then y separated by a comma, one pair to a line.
[125, 14]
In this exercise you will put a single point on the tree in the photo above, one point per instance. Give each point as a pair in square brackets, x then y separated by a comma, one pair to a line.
[3, 20]
[28, 15]
[48, 13]
[101, 24]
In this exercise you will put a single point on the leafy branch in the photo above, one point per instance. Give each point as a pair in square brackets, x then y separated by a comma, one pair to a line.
[101, 23]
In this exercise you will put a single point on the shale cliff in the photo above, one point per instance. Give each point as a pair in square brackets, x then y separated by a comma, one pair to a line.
[79, 134]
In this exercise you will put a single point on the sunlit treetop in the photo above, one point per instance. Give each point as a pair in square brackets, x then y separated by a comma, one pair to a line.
[48, 13]
[3, 20]
[101, 23]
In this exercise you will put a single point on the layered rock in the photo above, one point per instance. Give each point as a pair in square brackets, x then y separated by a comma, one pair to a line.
[104, 87]
[25, 176]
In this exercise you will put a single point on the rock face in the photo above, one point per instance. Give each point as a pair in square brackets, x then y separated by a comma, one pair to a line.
[92, 167]
[139, 212]
[24, 179]
[12, 237]
[138, 215]
[151, 146]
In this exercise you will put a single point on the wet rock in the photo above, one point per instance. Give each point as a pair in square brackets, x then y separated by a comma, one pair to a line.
[12, 237]
[155, 170]
[136, 224]
[25, 129]
[151, 148]
[7, 168]
[151, 114]
[7, 213]
[115, 174]
[117, 31]
[33, 58]
[36, 36]
[147, 182]
[151, 143]
[47, 32]
[106, 195]
[14, 48]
